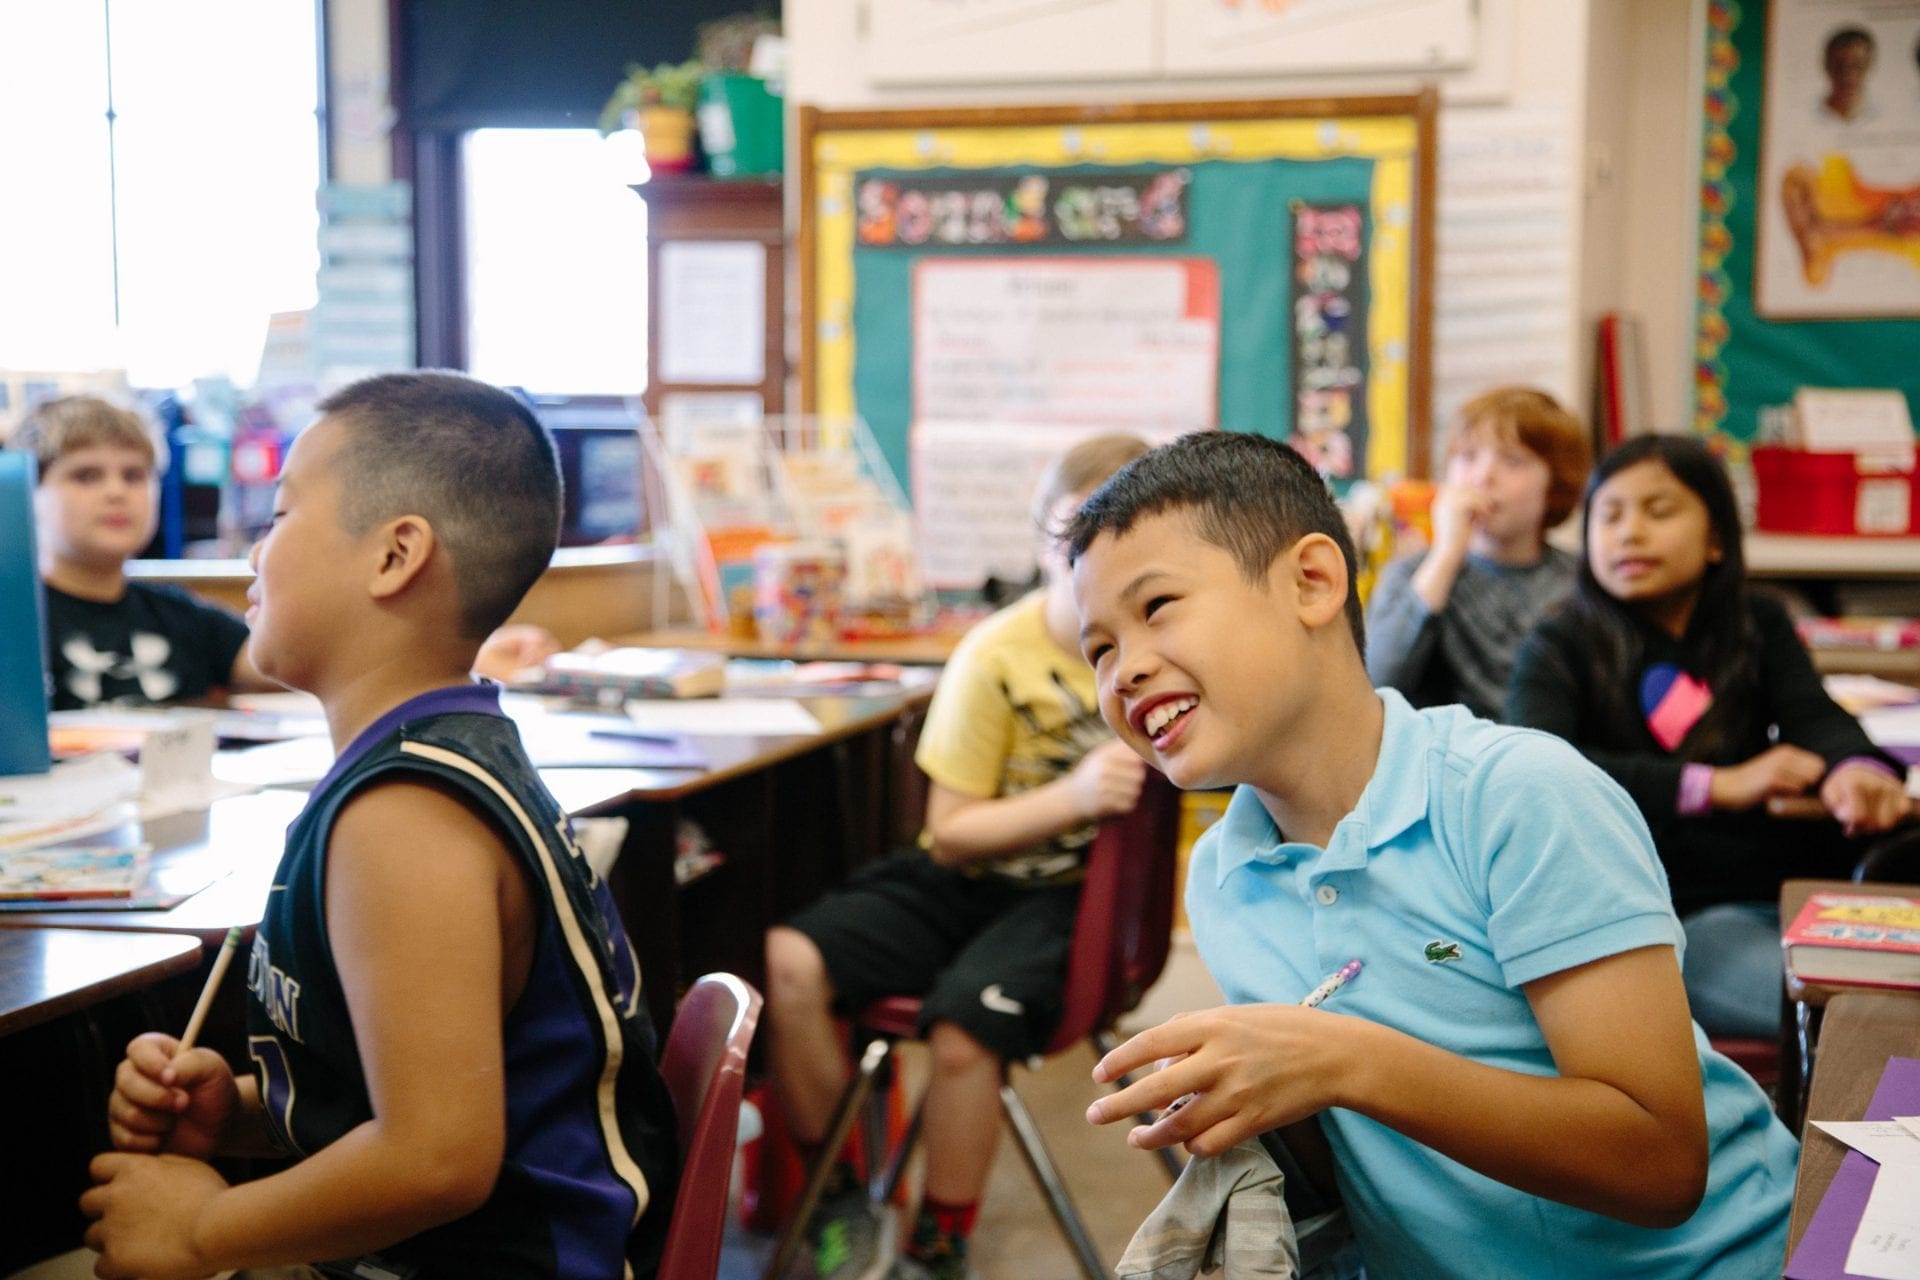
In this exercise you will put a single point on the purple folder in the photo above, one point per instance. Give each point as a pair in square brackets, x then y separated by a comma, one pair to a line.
[1822, 1254]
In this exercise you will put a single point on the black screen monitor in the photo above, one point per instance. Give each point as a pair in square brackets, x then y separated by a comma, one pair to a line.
[598, 440]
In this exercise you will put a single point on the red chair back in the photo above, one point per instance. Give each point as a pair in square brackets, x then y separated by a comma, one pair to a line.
[705, 1066]
[1125, 924]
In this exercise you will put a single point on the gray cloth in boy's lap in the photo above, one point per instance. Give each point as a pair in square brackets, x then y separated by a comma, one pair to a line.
[1225, 1217]
[1464, 653]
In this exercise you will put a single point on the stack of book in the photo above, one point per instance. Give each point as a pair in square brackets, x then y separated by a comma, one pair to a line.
[619, 674]
[1856, 940]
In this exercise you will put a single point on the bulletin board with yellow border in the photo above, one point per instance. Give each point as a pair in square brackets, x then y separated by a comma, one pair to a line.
[1252, 167]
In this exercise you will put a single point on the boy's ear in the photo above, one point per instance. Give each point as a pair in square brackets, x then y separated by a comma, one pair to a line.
[404, 546]
[1320, 580]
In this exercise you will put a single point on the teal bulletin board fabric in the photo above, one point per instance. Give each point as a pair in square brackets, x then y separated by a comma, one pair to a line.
[1239, 215]
[1742, 362]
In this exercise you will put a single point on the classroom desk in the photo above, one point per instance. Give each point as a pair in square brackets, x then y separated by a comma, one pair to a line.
[1801, 1029]
[1862, 1030]
[792, 813]
[917, 650]
[69, 998]
[231, 848]
[47, 973]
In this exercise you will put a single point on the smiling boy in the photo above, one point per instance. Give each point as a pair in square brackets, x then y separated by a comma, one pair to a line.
[1512, 1086]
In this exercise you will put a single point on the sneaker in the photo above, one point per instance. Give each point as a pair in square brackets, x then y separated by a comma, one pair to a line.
[849, 1237]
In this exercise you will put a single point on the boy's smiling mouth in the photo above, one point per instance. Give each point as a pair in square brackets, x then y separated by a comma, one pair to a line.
[1157, 717]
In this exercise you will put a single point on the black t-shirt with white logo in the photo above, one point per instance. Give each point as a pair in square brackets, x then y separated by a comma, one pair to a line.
[154, 644]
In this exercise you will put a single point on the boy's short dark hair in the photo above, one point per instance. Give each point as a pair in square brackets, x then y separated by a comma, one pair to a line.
[468, 457]
[1250, 496]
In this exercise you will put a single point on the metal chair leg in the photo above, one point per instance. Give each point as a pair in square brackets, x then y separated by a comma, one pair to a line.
[896, 1169]
[1048, 1176]
[1104, 1043]
[858, 1090]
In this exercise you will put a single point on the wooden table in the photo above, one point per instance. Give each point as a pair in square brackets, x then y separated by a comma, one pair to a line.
[226, 855]
[47, 973]
[69, 999]
[1861, 1030]
[793, 813]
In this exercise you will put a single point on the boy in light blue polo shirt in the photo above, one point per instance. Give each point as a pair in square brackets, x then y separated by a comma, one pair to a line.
[1512, 1085]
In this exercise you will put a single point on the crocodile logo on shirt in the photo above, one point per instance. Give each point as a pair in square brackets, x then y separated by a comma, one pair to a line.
[1438, 952]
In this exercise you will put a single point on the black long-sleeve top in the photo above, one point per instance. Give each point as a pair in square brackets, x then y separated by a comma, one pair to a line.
[1718, 856]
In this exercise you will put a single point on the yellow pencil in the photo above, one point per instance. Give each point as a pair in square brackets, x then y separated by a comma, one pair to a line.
[227, 947]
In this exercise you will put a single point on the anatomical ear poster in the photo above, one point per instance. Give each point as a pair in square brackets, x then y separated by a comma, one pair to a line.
[1838, 196]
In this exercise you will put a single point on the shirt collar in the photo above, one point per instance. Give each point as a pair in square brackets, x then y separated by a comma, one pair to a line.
[479, 698]
[1394, 799]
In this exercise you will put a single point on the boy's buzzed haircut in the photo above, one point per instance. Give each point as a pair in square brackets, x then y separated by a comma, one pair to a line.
[53, 429]
[468, 457]
[1250, 496]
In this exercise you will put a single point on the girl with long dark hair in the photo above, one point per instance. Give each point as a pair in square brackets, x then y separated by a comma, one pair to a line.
[1697, 697]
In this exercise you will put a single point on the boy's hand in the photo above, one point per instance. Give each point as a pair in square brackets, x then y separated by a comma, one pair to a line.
[1863, 799]
[1251, 1068]
[1456, 510]
[1777, 771]
[144, 1211]
[161, 1102]
[512, 649]
[1107, 780]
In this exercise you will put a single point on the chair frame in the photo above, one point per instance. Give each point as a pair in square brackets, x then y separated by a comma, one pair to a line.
[706, 1075]
[1121, 936]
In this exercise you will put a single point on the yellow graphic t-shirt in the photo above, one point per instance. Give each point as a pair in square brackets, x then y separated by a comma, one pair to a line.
[1014, 710]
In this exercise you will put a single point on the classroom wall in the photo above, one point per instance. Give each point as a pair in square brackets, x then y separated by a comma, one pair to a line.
[1613, 80]
[1619, 80]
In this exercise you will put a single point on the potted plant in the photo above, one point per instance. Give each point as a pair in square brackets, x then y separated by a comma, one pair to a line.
[659, 103]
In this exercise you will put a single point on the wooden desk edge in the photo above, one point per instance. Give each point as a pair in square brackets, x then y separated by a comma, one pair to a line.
[180, 959]
[1895, 1013]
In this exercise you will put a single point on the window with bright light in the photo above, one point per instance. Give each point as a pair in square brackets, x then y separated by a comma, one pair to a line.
[556, 261]
[159, 241]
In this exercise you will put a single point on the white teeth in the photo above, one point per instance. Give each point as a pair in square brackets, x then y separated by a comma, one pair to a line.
[1166, 713]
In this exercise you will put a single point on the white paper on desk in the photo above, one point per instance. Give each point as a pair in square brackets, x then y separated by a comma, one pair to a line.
[1892, 726]
[165, 806]
[1887, 1243]
[1910, 1123]
[34, 835]
[74, 789]
[280, 764]
[1885, 1142]
[176, 767]
[754, 717]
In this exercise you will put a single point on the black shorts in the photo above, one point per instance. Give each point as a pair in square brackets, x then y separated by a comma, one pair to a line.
[984, 953]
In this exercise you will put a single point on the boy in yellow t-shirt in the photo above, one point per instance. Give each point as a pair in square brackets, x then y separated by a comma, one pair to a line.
[979, 924]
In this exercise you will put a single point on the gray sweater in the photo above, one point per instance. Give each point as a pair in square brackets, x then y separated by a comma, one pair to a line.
[1465, 652]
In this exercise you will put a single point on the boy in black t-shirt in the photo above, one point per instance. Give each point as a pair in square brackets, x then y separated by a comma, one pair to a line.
[110, 640]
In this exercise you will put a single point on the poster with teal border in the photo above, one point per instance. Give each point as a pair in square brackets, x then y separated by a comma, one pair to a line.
[1742, 361]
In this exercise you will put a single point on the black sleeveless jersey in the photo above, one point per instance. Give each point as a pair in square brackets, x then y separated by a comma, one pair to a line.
[588, 1180]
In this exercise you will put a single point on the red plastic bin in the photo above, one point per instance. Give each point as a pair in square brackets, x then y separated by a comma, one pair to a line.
[1805, 492]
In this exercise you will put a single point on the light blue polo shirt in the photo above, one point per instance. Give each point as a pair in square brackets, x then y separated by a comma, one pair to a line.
[1479, 858]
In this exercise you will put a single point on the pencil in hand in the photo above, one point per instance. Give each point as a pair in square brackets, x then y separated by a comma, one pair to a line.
[228, 946]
